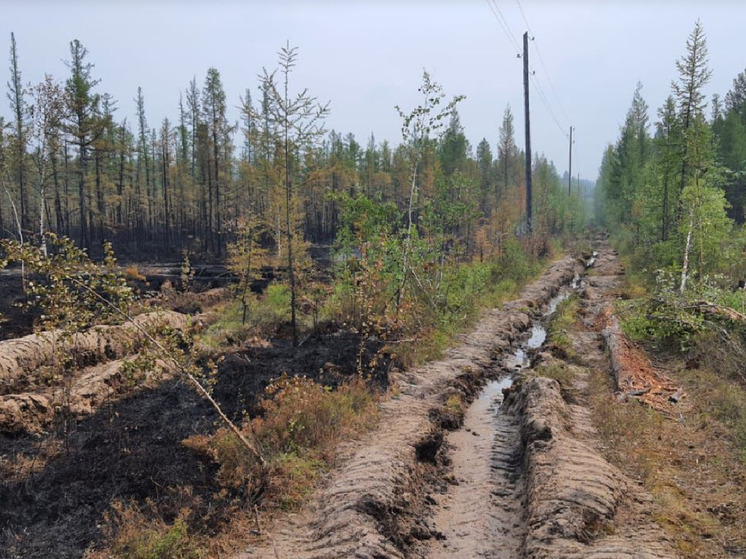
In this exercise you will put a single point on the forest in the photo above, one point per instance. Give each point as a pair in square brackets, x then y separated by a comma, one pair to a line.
[397, 361]
[70, 167]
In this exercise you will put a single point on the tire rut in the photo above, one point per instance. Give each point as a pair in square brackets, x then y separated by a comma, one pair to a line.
[550, 493]
[375, 504]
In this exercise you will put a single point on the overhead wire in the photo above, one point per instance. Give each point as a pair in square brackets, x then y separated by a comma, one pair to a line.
[541, 61]
[495, 9]
[505, 26]
[547, 105]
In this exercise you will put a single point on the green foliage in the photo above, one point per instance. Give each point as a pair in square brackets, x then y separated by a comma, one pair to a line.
[173, 543]
[445, 289]
[132, 534]
[665, 319]
[668, 318]
[72, 292]
[254, 315]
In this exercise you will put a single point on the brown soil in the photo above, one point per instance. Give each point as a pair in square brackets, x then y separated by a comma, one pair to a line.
[523, 479]
[375, 504]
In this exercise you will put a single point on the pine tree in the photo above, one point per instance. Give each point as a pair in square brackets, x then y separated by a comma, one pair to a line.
[83, 124]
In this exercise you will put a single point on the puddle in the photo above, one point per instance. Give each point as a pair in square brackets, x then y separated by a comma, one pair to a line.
[492, 394]
[538, 337]
[555, 301]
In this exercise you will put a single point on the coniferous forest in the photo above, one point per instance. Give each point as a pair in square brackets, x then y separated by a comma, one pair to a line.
[73, 166]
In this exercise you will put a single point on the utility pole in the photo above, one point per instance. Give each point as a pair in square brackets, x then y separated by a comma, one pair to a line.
[528, 132]
[569, 172]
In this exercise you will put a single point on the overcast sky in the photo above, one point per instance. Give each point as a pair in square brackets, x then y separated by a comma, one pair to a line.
[367, 56]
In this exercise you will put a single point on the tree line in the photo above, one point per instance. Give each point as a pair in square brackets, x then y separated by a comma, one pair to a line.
[675, 194]
[69, 165]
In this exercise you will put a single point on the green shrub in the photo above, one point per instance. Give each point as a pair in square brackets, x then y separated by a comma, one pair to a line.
[132, 534]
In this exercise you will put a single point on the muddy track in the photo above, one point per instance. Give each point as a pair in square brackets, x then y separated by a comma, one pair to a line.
[521, 476]
[551, 493]
[376, 503]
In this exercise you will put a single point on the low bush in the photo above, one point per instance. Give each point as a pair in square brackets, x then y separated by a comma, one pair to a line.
[298, 430]
[133, 534]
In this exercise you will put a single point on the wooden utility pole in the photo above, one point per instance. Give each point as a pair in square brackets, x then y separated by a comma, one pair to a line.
[569, 172]
[528, 133]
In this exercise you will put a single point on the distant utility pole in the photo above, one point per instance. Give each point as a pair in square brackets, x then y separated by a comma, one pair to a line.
[569, 172]
[528, 133]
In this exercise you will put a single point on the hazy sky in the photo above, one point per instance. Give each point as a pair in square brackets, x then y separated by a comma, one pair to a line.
[367, 56]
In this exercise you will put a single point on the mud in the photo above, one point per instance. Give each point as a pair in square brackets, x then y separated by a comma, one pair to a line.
[518, 474]
[376, 503]
[578, 504]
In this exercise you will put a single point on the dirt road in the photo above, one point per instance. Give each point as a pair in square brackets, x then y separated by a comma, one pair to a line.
[521, 476]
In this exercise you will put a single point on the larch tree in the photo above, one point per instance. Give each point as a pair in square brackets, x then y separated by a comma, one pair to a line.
[142, 189]
[694, 74]
[17, 98]
[219, 136]
[484, 167]
[299, 122]
[507, 153]
[667, 140]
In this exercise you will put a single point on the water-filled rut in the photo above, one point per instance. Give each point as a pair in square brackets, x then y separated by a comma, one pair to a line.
[481, 514]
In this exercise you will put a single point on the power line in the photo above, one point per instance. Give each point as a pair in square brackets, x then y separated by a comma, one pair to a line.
[494, 8]
[505, 26]
[524, 18]
[545, 101]
[543, 64]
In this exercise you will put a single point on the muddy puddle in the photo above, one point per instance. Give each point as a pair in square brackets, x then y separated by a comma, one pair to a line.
[486, 456]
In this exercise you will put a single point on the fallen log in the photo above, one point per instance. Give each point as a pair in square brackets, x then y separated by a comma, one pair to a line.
[707, 307]
[633, 374]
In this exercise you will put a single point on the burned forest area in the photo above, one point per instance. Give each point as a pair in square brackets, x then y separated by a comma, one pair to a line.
[240, 334]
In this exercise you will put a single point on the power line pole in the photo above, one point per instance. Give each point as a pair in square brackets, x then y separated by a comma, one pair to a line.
[569, 172]
[528, 132]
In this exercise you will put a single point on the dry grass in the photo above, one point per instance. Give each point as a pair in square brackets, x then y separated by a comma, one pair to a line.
[299, 432]
[561, 324]
[689, 463]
